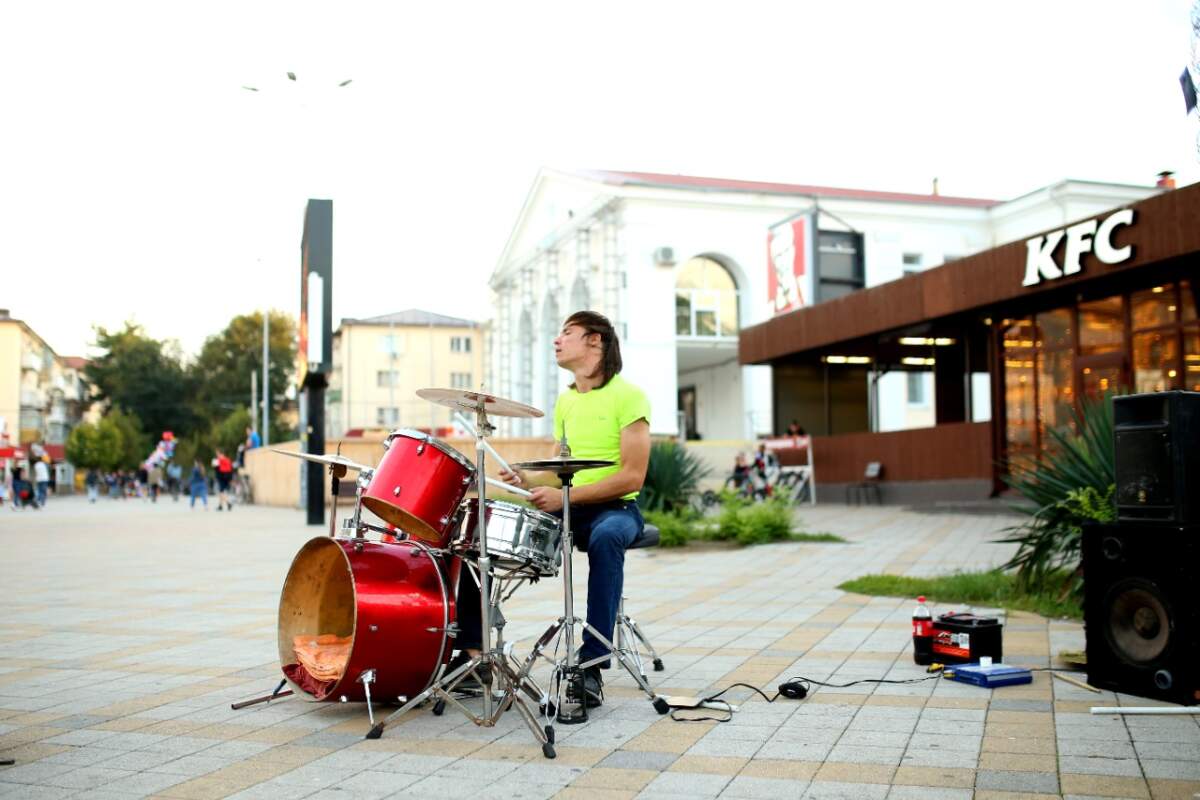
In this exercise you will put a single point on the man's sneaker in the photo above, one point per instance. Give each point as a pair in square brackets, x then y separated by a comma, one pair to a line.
[468, 682]
[593, 688]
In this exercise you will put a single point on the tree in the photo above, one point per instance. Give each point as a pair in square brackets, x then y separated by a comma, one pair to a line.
[222, 371]
[115, 442]
[143, 377]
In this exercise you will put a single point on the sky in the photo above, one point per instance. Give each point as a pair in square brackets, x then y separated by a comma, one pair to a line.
[140, 181]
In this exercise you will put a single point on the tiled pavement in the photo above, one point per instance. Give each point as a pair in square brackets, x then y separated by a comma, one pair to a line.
[129, 628]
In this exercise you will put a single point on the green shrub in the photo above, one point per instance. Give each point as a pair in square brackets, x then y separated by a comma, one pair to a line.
[1070, 484]
[754, 523]
[672, 477]
[673, 529]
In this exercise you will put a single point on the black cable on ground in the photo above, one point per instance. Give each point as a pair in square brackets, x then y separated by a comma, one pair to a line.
[796, 688]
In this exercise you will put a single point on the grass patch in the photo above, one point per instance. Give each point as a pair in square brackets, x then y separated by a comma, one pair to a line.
[800, 536]
[992, 588]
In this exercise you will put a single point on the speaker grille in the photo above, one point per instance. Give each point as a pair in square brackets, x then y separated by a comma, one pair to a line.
[1139, 624]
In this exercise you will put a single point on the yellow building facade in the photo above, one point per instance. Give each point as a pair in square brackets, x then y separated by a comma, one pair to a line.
[380, 362]
[42, 394]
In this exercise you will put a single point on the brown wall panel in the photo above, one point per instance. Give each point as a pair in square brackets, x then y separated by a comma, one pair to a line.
[946, 452]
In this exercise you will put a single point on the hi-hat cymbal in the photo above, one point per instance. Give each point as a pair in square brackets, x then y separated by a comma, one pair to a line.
[563, 466]
[471, 401]
[332, 461]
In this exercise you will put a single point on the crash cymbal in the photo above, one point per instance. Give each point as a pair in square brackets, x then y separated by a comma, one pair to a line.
[563, 465]
[332, 461]
[471, 401]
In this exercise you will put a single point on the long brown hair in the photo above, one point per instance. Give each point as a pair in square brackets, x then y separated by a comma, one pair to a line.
[610, 348]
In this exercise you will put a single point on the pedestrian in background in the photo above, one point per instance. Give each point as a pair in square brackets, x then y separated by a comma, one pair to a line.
[224, 479]
[199, 485]
[155, 476]
[41, 477]
[92, 482]
[174, 480]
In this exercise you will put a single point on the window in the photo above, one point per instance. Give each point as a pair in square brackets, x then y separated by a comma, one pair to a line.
[387, 415]
[706, 299]
[916, 389]
[460, 344]
[390, 344]
[387, 377]
[912, 263]
[460, 380]
[839, 264]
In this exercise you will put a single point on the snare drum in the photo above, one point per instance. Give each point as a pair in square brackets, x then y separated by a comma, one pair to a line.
[419, 485]
[516, 536]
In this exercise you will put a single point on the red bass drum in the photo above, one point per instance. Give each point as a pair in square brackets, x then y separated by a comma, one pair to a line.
[387, 606]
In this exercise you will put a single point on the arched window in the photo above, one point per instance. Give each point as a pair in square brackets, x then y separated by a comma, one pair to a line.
[553, 384]
[706, 299]
[581, 299]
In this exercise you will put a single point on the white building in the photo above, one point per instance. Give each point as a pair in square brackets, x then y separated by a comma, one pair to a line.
[681, 263]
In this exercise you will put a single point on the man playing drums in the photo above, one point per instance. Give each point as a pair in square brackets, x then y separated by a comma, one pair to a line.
[602, 416]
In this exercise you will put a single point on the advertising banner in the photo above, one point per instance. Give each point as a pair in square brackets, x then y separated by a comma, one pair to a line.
[790, 263]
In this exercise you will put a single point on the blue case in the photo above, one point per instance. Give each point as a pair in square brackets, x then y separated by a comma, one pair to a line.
[990, 676]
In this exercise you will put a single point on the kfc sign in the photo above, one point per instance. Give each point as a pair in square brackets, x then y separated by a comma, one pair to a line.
[789, 263]
[1092, 235]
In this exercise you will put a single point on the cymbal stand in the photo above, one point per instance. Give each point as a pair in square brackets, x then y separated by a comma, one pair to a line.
[568, 670]
[504, 685]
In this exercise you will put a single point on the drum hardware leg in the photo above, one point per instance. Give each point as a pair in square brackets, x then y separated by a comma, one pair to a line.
[265, 698]
[660, 704]
[641, 637]
[366, 679]
[448, 681]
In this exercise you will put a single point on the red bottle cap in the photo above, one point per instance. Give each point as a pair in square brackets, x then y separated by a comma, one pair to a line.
[921, 599]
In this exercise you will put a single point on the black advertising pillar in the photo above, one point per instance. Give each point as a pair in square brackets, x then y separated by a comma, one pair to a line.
[314, 398]
[315, 333]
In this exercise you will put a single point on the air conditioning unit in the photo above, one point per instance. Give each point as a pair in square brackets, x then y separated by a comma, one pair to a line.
[664, 256]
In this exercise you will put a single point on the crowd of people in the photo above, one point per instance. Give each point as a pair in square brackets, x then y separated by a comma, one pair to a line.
[149, 481]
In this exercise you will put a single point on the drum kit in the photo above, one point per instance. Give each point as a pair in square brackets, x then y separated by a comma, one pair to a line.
[374, 621]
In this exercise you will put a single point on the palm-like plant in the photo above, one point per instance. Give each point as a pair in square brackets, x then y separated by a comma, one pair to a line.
[672, 477]
[1069, 484]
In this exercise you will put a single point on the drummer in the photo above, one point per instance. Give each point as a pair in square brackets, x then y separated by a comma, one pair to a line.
[602, 416]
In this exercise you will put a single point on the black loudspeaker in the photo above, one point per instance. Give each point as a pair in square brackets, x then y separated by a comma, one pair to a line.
[1140, 610]
[1157, 453]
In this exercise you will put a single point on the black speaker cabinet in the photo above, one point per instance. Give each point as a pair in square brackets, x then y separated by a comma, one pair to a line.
[1157, 452]
[1140, 610]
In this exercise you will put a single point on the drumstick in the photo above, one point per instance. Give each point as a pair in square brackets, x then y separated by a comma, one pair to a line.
[466, 424]
[508, 487]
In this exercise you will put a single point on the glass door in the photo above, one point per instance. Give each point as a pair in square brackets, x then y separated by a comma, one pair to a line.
[1106, 373]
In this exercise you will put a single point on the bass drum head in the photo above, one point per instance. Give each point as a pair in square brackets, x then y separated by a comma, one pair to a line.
[317, 598]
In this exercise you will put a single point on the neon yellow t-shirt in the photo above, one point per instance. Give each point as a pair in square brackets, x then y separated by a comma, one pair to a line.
[594, 420]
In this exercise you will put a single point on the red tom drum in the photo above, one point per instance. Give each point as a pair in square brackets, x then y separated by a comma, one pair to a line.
[419, 485]
[388, 604]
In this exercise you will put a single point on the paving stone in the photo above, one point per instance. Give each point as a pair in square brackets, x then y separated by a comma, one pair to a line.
[1046, 783]
[1174, 770]
[628, 759]
[836, 790]
[687, 784]
[744, 786]
[1086, 765]
[928, 793]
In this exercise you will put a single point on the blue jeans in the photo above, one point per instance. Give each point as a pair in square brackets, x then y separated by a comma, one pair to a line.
[201, 490]
[42, 488]
[603, 531]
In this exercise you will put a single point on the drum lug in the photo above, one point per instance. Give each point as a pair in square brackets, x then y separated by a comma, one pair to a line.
[444, 520]
[467, 479]
[421, 448]
[396, 491]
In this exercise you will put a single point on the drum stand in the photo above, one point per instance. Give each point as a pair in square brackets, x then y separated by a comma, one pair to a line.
[506, 684]
[567, 670]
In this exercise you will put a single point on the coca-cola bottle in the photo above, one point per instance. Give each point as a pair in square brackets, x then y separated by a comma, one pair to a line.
[922, 633]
